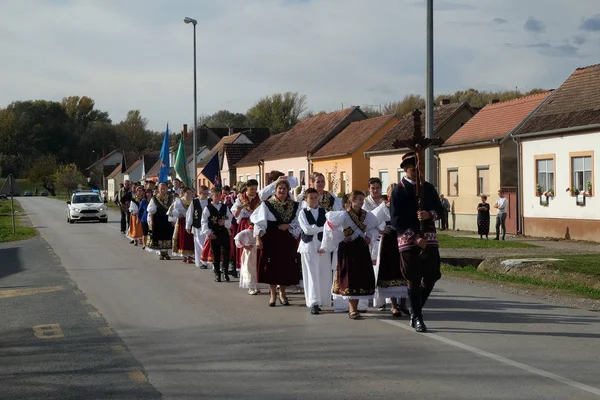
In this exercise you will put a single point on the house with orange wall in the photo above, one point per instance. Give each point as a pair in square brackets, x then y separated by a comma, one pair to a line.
[342, 159]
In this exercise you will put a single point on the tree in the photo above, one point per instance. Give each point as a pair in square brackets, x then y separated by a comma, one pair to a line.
[43, 171]
[68, 177]
[224, 119]
[408, 104]
[133, 133]
[278, 112]
[371, 112]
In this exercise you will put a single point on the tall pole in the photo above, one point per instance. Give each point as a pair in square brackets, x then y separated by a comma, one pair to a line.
[194, 144]
[429, 128]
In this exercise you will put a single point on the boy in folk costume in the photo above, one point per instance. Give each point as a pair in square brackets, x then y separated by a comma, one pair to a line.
[216, 221]
[316, 262]
[354, 278]
[193, 224]
[246, 242]
[135, 232]
[183, 241]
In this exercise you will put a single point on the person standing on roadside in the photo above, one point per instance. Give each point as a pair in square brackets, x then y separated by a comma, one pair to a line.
[125, 197]
[446, 206]
[502, 207]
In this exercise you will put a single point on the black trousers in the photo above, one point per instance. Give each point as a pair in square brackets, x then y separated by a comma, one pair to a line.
[444, 220]
[220, 250]
[421, 274]
[124, 221]
[501, 223]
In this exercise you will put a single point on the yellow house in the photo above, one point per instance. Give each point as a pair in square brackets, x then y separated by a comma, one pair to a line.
[384, 159]
[342, 159]
[290, 151]
[481, 159]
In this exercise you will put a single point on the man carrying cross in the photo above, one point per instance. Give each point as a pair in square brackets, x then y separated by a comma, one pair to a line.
[414, 207]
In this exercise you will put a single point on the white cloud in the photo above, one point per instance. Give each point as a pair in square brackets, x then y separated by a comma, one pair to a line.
[138, 53]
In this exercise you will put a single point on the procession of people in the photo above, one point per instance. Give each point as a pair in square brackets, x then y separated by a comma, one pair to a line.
[364, 249]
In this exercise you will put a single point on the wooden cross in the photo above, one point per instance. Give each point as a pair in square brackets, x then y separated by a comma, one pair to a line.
[418, 143]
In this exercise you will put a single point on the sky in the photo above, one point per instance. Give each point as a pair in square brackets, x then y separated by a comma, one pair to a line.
[138, 54]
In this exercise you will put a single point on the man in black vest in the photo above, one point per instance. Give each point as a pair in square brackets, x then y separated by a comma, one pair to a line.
[125, 197]
[316, 263]
[419, 253]
[193, 223]
[216, 221]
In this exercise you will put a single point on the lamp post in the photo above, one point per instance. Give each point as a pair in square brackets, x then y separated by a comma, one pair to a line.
[429, 128]
[192, 21]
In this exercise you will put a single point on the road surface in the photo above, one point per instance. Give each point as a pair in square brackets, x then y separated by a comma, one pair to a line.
[199, 339]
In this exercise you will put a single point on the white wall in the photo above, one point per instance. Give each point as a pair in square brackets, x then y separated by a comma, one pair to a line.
[563, 204]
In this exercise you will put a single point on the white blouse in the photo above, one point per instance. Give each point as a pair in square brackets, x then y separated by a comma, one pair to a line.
[308, 229]
[262, 215]
[337, 221]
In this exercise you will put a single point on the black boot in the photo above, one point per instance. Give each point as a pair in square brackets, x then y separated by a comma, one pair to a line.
[416, 307]
[226, 274]
[217, 276]
[419, 325]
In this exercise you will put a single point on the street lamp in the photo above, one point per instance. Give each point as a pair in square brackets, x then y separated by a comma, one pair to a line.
[192, 21]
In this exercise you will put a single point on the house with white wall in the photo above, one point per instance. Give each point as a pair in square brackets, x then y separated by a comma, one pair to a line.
[558, 145]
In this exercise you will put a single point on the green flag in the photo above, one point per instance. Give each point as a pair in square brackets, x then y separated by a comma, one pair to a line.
[181, 164]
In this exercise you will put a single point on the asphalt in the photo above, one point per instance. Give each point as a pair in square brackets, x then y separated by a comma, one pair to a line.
[199, 339]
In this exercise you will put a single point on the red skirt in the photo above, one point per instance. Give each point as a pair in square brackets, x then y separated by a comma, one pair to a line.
[232, 248]
[183, 242]
[207, 255]
[279, 262]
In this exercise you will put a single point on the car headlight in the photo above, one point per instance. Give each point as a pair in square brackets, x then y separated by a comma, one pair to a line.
[102, 208]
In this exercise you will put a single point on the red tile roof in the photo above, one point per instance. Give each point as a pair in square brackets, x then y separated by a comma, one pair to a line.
[308, 133]
[218, 149]
[257, 154]
[236, 151]
[405, 128]
[495, 121]
[355, 134]
[575, 103]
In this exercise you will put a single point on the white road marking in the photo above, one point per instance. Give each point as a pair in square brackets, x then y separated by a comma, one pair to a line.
[503, 360]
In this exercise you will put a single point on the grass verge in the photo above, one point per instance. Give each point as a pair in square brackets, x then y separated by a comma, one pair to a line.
[6, 232]
[562, 268]
[456, 242]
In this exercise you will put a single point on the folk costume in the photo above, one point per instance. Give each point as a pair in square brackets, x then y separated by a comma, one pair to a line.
[246, 206]
[369, 205]
[233, 230]
[161, 229]
[390, 281]
[193, 221]
[421, 269]
[249, 260]
[327, 200]
[183, 242]
[219, 245]
[135, 232]
[354, 277]
[143, 216]
[279, 262]
[316, 268]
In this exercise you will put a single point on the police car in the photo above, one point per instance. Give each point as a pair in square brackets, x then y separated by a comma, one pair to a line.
[86, 206]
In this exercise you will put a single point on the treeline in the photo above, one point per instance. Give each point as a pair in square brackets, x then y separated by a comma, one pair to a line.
[70, 132]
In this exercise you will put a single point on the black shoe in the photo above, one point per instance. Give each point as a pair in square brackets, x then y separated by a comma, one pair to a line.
[271, 304]
[226, 277]
[314, 310]
[203, 266]
[495, 239]
[412, 321]
[382, 308]
[319, 308]
[217, 277]
[284, 302]
[419, 325]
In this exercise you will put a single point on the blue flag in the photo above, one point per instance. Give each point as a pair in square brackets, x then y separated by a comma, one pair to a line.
[163, 175]
[212, 171]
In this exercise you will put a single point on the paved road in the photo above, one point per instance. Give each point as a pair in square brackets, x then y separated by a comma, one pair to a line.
[199, 339]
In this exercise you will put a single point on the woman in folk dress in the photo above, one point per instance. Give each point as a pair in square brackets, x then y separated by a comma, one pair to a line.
[183, 242]
[354, 278]
[161, 236]
[135, 233]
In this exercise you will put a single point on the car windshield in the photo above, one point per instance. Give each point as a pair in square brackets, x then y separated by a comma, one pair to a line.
[86, 199]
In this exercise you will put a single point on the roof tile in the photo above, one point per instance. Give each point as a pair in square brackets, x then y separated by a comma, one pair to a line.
[253, 158]
[236, 151]
[495, 121]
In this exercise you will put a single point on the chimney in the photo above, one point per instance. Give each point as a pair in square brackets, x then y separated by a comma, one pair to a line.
[230, 131]
[185, 132]
[444, 102]
[495, 101]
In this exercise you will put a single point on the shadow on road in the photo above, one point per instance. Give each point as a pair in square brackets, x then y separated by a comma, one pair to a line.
[11, 261]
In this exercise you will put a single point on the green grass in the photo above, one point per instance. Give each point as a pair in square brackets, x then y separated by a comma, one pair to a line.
[587, 264]
[458, 242]
[6, 233]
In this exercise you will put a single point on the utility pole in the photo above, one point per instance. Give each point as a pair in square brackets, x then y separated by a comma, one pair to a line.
[429, 128]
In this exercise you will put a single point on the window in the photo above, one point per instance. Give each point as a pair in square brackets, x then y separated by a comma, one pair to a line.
[545, 173]
[290, 173]
[258, 178]
[266, 181]
[224, 181]
[453, 182]
[483, 180]
[582, 171]
[329, 180]
[343, 182]
[383, 176]
[401, 174]
[241, 178]
[302, 178]
[248, 177]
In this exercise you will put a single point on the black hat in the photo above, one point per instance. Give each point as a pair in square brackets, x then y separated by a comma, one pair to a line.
[409, 158]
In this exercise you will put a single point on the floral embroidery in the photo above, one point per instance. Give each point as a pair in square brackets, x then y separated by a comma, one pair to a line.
[248, 204]
[327, 201]
[392, 283]
[284, 211]
[164, 201]
[359, 220]
[186, 203]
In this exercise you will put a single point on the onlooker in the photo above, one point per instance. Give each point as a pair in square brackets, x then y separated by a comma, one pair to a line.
[502, 207]
[446, 206]
[483, 218]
